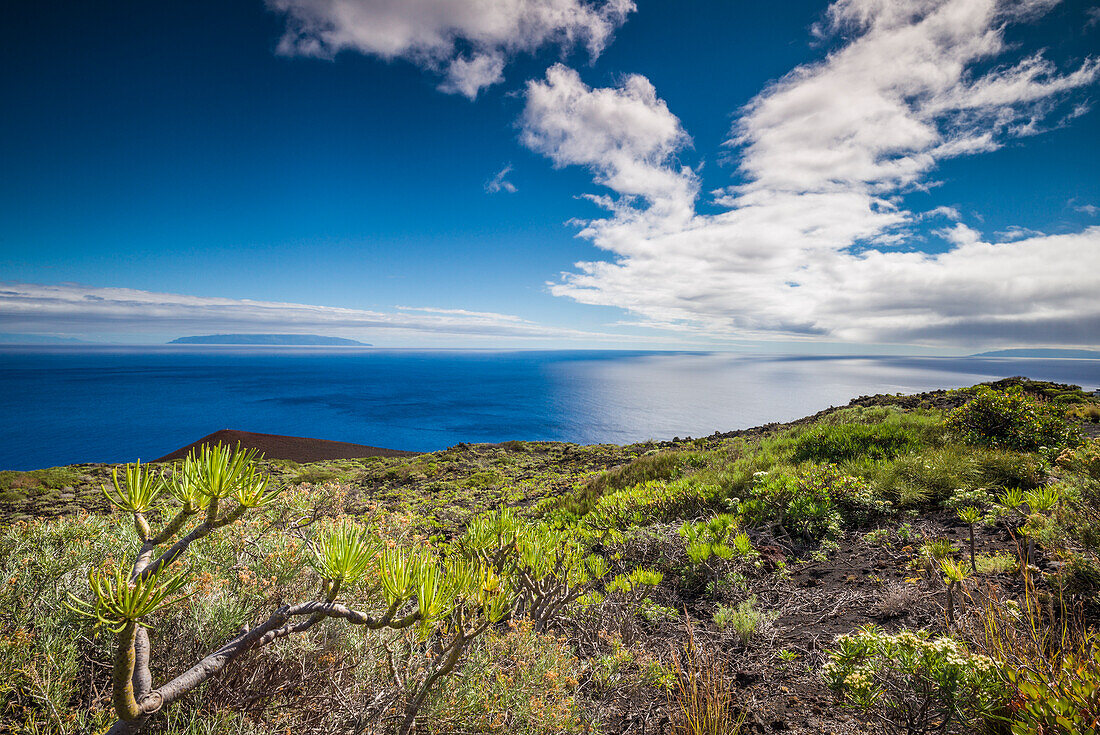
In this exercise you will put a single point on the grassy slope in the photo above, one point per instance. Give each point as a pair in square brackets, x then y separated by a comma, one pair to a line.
[807, 592]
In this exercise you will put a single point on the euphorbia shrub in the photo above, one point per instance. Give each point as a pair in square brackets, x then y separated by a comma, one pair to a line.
[450, 598]
[912, 683]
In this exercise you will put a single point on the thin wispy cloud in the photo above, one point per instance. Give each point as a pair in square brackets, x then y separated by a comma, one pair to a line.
[1017, 233]
[946, 212]
[467, 42]
[500, 182]
[87, 310]
[815, 240]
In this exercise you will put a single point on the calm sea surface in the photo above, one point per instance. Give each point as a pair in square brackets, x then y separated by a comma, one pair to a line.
[78, 404]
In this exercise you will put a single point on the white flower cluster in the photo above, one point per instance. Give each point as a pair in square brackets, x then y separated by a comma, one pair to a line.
[859, 657]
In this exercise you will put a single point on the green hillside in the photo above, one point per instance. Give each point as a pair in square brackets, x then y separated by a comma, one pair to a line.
[919, 564]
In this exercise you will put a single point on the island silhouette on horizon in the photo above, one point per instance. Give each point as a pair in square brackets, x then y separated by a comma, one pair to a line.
[267, 339]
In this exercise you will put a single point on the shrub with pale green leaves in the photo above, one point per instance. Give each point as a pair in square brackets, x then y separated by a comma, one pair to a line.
[745, 619]
[913, 683]
[645, 504]
[551, 568]
[813, 502]
[450, 598]
[716, 536]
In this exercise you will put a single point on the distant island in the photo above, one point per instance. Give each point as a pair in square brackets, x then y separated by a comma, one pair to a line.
[268, 339]
[39, 339]
[1079, 354]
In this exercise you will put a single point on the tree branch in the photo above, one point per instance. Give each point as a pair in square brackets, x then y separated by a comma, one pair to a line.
[275, 627]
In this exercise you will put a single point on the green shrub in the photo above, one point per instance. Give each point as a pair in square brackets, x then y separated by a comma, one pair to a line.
[483, 479]
[912, 683]
[812, 502]
[744, 618]
[979, 498]
[648, 503]
[996, 563]
[932, 553]
[798, 502]
[657, 613]
[44, 645]
[633, 587]
[713, 537]
[856, 498]
[1065, 701]
[1010, 420]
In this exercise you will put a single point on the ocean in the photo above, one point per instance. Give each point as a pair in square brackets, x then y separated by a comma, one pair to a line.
[63, 405]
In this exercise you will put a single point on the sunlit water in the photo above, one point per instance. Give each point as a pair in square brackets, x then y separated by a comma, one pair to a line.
[66, 405]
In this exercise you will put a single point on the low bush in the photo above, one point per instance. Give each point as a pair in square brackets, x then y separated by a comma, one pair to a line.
[797, 502]
[648, 503]
[1010, 419]
[744, 618]
[912, 683]
[1066, 702]
[812, 502]
[996, 563]
[716, 536]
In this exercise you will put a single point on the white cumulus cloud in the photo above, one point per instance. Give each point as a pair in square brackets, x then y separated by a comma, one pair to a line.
[814, 241]
[467, 41]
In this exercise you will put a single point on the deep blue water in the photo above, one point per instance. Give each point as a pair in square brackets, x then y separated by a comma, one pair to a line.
[80, 404]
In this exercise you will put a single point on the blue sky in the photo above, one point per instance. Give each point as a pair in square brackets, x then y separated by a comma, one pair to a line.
[866, 175]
